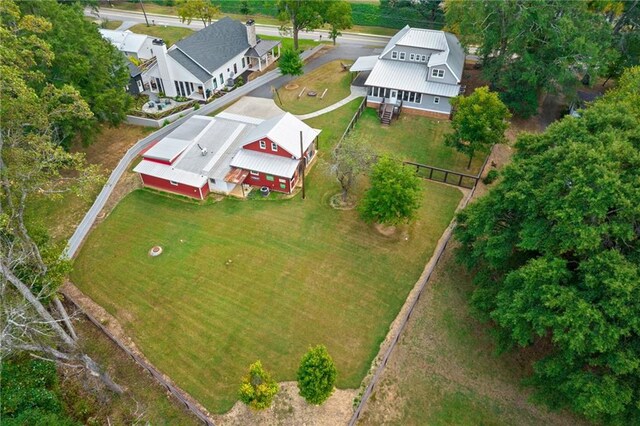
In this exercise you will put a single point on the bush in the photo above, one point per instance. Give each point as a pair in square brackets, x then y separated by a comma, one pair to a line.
[181, 99]
[165, 123]
[258, 388]
[316, 375]
[196, 106]
[491, 177]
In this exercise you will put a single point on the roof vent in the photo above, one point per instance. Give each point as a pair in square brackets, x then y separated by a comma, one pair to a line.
[203, 151]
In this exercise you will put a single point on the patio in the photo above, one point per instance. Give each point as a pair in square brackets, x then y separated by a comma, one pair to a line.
[156, 105]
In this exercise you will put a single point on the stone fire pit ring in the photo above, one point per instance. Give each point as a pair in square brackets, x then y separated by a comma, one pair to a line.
[155, 251]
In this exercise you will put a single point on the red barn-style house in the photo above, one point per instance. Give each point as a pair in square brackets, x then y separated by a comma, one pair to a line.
[274, 152]
[228, 154]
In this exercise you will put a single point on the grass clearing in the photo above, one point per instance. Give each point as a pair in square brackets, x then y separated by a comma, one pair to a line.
[328, 76]
[110, 25]
[415, 138]
[170, 35]
[287, 42]
[445, 370]
[297, 277]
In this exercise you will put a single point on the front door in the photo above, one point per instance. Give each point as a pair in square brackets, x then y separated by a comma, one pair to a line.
[393, 97]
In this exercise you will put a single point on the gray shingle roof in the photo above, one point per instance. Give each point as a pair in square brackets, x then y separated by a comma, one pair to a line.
[262, 47]
[216, 44]
[187, 63]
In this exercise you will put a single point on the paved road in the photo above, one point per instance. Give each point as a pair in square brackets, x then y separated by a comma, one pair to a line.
[87, 222]
[138, 17]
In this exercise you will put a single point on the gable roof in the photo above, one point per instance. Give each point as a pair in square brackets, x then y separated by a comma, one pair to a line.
[125, 41]
[190, 65]
[284, 130]
[215, 44]
[423, 38]
[394, 40]
[411, 76]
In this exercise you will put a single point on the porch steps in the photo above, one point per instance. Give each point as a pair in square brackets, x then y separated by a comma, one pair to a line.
[385, 118]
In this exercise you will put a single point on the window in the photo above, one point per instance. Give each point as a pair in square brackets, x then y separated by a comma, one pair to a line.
[394, 55]
[418, 98]
[412, 57]
[403, 55]
[263, 145]
[173, 183]
[274, 147]
[254, 175]
[436, 100]
[242, 62]
[412, 97]
[283, 186]
[212, 180]
[437, 73]
[424, 58]
[375, 92]
[405, 96]
[221, 80]
[235, 68]
[270, 178]
[282, 180]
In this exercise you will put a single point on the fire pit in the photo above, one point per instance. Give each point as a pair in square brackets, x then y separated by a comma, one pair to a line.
[155, 251]
[312, 93]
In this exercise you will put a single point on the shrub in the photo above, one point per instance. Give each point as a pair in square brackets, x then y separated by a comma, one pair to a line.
[258, 388]
[196, 107]
[491, 177]
[165, 123]
[316, 375]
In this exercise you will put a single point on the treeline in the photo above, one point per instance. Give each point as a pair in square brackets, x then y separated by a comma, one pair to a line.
[386, 13]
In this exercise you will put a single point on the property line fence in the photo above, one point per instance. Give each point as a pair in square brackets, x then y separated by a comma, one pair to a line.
[443, 175]
[354, 120]
[170, 387]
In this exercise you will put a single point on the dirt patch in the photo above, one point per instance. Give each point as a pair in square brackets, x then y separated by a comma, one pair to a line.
[291, 86]
[387, 231]
[338, 203]
[290, 409]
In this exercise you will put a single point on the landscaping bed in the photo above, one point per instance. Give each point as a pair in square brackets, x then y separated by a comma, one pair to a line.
[301, 273]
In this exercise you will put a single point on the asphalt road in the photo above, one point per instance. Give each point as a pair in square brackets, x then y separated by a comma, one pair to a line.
[272, 30]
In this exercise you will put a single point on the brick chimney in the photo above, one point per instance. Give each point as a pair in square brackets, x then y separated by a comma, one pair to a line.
[251, 33]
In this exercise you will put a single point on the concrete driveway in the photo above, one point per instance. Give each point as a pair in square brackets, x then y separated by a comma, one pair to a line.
[255, 107]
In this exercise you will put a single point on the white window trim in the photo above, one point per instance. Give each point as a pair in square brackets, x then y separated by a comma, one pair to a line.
[412, 57]
[274, 147]
[263, 145]
[394, 55]
[174, 183]
[423, 58]
[436, 99]
[403, 56]
[435, 73]
[254, 173]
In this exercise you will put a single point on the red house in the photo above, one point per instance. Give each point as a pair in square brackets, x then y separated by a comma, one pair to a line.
[273, 152]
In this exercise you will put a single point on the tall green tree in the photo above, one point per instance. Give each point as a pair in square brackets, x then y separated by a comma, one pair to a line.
[338, 17]
[258, 388]
[352, 158]
[529, 46]
[555, 248]
[316, 375]
[394, 195]
[479, 121]
[302, 15]
[290, 63]
[203, 10]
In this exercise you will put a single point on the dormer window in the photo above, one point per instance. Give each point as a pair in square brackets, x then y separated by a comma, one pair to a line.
[437, 73]
[274, 147]
[263, 145]
[394, 55]
[403, 56]
[412, 57]
[424, 58]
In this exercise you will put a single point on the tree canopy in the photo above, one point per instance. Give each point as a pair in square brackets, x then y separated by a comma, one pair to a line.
[351, 158]
[290, 63]
[338, 17]
[555, 247]
[202, 10]
[479, 121]
[302, 15]
[394, 195]
[258, 388]
[528, 46]
[316, 375]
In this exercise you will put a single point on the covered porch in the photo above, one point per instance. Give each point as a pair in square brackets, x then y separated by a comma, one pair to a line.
[263, 54]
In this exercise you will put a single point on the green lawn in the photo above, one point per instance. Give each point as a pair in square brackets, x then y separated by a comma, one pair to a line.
[287, 42]
[329, 76]
[300, 274]
[415, 138]
[170, 35]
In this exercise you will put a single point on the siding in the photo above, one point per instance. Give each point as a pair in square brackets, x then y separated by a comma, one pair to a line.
[255, 146]
[449, 78]
[408, 51]
[261, 180]
[181, 189]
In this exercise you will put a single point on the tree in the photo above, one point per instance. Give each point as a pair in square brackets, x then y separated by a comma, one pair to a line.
[244, 8]
[290, 63]
[351, 158]
[394, 195]
[258, 388]
[34, 164]
[338, 16]
[316, 375]
[529, 46]
[198, 9]
[555, 251]
[302, 14]
[479, 121]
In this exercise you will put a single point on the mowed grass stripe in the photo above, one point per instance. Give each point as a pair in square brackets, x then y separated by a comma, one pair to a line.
[301, 274]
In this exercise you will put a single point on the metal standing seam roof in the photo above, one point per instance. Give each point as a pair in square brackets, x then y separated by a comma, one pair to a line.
[423, 38]
[284, 130]
[172, 145]
[187, 63]
[216, 44]
[165, 171]
[265, 163]
[455, 59]
[364, 63]
[394, 40]
[408, 76]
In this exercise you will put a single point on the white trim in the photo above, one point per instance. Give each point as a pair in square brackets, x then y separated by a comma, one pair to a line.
[403, 56]
[274, 147]
[174, 183]
[394, 54]
[436, 100]
[253, 173]
[437, 71]
[263, 144]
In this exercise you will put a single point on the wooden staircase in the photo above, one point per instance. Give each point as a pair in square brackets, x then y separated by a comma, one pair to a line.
[386, 114]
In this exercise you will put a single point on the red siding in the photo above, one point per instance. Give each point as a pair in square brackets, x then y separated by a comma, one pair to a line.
[165, 185]
[255, 146]
[261, 180]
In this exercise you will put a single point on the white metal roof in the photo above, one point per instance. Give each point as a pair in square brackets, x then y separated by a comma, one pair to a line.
[394, 40]
[165, 171]
[125, 41]
[364, 63]
[285, 130]
[171, 146]
[423, 38]
[408, 76]
[265, 163]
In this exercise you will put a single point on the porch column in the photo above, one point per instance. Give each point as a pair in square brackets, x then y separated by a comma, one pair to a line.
[278, 51]
[259, 64]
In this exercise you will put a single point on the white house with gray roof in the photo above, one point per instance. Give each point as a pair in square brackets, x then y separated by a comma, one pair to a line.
[205, 62]
[419, 70]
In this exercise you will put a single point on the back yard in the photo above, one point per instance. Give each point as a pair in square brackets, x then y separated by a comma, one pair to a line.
[258, 279]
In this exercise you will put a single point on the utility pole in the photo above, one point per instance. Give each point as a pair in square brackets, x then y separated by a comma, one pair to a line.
[302, 163]
[145, 13]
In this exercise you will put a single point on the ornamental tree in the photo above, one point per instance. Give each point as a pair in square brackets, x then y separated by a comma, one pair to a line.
[258, 388]
[351, 158]
[479, 121]
[290, 63]
[555, 247]
[394, 195]
[316, 375]
[338, 16]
